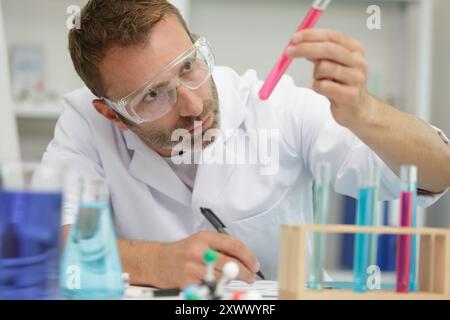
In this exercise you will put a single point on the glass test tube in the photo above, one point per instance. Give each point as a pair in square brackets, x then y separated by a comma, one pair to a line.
[404, 242]
[320, 195]
[364, 217]
[373, 245]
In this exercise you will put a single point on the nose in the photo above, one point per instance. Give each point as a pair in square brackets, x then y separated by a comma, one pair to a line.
[190, 105]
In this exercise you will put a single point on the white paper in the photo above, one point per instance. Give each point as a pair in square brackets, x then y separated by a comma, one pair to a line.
[267, 289]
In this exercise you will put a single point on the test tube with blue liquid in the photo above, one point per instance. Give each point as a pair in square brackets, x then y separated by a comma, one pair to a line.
[367, 197]
[91, 266]
[412, 186]
[320, 195]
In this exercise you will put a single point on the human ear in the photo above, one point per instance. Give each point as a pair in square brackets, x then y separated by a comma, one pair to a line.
[109, 114]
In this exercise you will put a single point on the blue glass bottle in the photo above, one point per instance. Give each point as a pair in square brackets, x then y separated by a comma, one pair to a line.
[91, 266]
[30, 215]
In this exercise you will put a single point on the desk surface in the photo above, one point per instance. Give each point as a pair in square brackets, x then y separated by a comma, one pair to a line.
[267, 289]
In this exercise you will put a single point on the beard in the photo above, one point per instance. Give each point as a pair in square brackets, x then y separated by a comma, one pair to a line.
[161, 137]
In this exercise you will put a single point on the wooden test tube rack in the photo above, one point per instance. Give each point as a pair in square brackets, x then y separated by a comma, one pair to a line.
[433, 267]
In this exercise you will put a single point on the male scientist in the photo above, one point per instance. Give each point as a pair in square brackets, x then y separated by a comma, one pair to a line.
[154, 99]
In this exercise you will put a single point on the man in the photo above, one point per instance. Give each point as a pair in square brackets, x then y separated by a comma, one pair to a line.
[147, 78]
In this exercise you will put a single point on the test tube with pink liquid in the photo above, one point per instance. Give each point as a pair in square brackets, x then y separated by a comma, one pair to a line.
[314, 13]
[404, 242]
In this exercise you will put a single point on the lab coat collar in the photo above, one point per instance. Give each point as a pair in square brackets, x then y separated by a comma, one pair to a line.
[149, 167]
[211, 179]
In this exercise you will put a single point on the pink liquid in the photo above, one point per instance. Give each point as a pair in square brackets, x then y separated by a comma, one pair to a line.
[284, 61]
[404, 243]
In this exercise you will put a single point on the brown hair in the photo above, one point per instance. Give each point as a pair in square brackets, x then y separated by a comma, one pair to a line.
[113, 23]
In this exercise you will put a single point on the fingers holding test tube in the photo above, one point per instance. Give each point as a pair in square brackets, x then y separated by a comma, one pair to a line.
[282, 64]
[328, 35]
[340, 71]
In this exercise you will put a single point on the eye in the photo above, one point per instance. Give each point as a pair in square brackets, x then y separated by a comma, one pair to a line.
[151, 95]
[188, 66]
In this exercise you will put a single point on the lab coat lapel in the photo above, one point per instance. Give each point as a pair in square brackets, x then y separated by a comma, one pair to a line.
[149, 167]
[211, 179]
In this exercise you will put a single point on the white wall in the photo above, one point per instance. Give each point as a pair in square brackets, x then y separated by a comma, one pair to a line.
[439, 214]
[184, 6]
[43, 24]
[9, 146]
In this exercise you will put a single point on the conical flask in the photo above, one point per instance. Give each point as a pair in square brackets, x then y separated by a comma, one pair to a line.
[91, 266]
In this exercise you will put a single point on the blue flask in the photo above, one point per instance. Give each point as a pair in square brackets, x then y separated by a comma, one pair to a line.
[91, 266]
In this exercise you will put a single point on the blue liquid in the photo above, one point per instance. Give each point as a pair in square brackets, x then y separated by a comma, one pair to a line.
[29, 244]
[91, 267]
[374, 237]
[362, 240]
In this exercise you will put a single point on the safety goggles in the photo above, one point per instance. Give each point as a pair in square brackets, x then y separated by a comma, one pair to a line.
[158, 96]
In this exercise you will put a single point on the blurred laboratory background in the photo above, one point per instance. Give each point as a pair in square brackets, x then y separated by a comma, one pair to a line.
[408, 59]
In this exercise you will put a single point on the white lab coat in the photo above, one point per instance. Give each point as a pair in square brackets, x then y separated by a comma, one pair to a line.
[151, 203]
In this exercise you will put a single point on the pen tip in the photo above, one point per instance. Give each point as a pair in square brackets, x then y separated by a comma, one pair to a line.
[259, 273]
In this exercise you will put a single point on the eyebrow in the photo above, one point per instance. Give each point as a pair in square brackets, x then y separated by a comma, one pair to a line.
[159, 85]
[163, 83]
